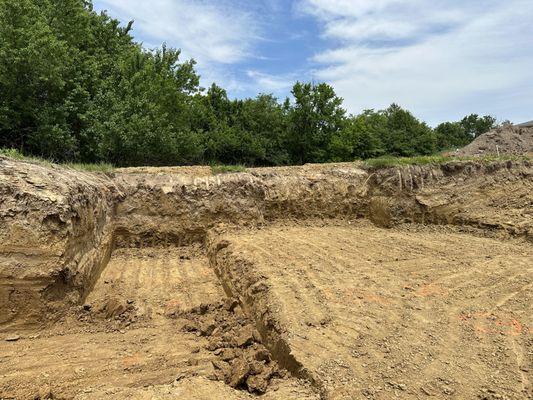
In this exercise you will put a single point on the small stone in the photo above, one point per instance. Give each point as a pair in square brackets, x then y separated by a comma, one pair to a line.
[257, 384]
[262, 355]
[230, 304]
[207, 328]
[239, 372]
[246, 337]
[13, 338]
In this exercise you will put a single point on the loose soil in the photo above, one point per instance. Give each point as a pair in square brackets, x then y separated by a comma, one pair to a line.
[407, 313]
[505, 140]
[157, 320]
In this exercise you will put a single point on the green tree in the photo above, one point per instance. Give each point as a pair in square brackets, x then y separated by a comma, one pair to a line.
[33, 66]
[405, 135]
[317, 115]
[357, 140]
[451, 135]
[474, 125]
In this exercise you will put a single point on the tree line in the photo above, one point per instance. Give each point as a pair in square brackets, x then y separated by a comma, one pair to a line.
[75, 86]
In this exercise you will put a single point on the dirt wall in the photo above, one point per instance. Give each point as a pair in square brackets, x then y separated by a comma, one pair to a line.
[496, 198]
[175, 208]
[58, 226]
[55, 235]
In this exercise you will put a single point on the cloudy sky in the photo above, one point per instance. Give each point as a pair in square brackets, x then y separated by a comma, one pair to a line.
[441, 59]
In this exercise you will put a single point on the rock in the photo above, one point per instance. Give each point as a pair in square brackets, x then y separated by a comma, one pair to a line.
[13, 338]
[239, 372]
[207, 328]
[257, 384]
[228, 354]
[246, 337]
[190, 327]
[230, 304]
[262, 355]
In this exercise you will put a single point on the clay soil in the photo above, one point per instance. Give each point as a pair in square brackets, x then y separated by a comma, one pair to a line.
[147, 331]
[412, 312]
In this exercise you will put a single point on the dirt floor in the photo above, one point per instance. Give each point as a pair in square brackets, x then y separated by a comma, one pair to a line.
[407, 313]
[144, 332]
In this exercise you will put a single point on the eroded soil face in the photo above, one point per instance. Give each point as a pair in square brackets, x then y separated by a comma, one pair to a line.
[414, 312]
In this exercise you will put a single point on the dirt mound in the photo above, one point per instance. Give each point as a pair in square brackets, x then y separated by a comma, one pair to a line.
[508, 140]
[242, 360]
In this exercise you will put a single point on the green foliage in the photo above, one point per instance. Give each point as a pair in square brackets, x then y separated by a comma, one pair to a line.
[314, 119]
[12, 153]
[100, 167]
[451, 135]
[474, 125]
[225, 169]
[75, 87]
[388, 161]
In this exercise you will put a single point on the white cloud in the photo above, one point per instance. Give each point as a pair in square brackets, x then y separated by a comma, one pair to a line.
[209, 31]
[441, 59]
[267, 83]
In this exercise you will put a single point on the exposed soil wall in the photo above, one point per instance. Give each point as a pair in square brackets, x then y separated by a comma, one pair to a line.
[55, 235]
[177, 208]
[58, 226]
[496, 198]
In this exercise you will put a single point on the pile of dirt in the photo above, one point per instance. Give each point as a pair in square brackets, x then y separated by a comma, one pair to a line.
[507, 139]
[242, 361]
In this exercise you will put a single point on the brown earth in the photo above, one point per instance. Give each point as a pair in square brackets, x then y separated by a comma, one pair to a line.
[505, 140]
[374, 313]
[320, 281]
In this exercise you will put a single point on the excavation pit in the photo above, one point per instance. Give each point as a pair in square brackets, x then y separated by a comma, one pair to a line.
[271, 283]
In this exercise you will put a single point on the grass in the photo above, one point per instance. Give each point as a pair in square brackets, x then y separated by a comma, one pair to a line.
[225, 169]
[101, 167]
[17, 155]
[388, 161]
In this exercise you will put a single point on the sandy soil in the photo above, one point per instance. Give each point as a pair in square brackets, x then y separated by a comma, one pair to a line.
[122, 344]
[270, 283]
[407, 313]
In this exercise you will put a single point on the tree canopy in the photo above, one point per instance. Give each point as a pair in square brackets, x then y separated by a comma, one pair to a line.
[75, 86]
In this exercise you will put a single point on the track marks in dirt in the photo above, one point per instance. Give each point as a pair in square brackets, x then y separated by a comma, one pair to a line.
[156, 281]
[375, 313]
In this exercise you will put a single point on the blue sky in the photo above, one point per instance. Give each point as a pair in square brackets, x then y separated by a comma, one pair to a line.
[441, 59]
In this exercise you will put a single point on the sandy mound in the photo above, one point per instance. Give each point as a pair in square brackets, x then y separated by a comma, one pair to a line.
[509, 139]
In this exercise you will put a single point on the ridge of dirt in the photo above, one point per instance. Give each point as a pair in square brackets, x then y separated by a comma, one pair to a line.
[157, 318]
[504, 140]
